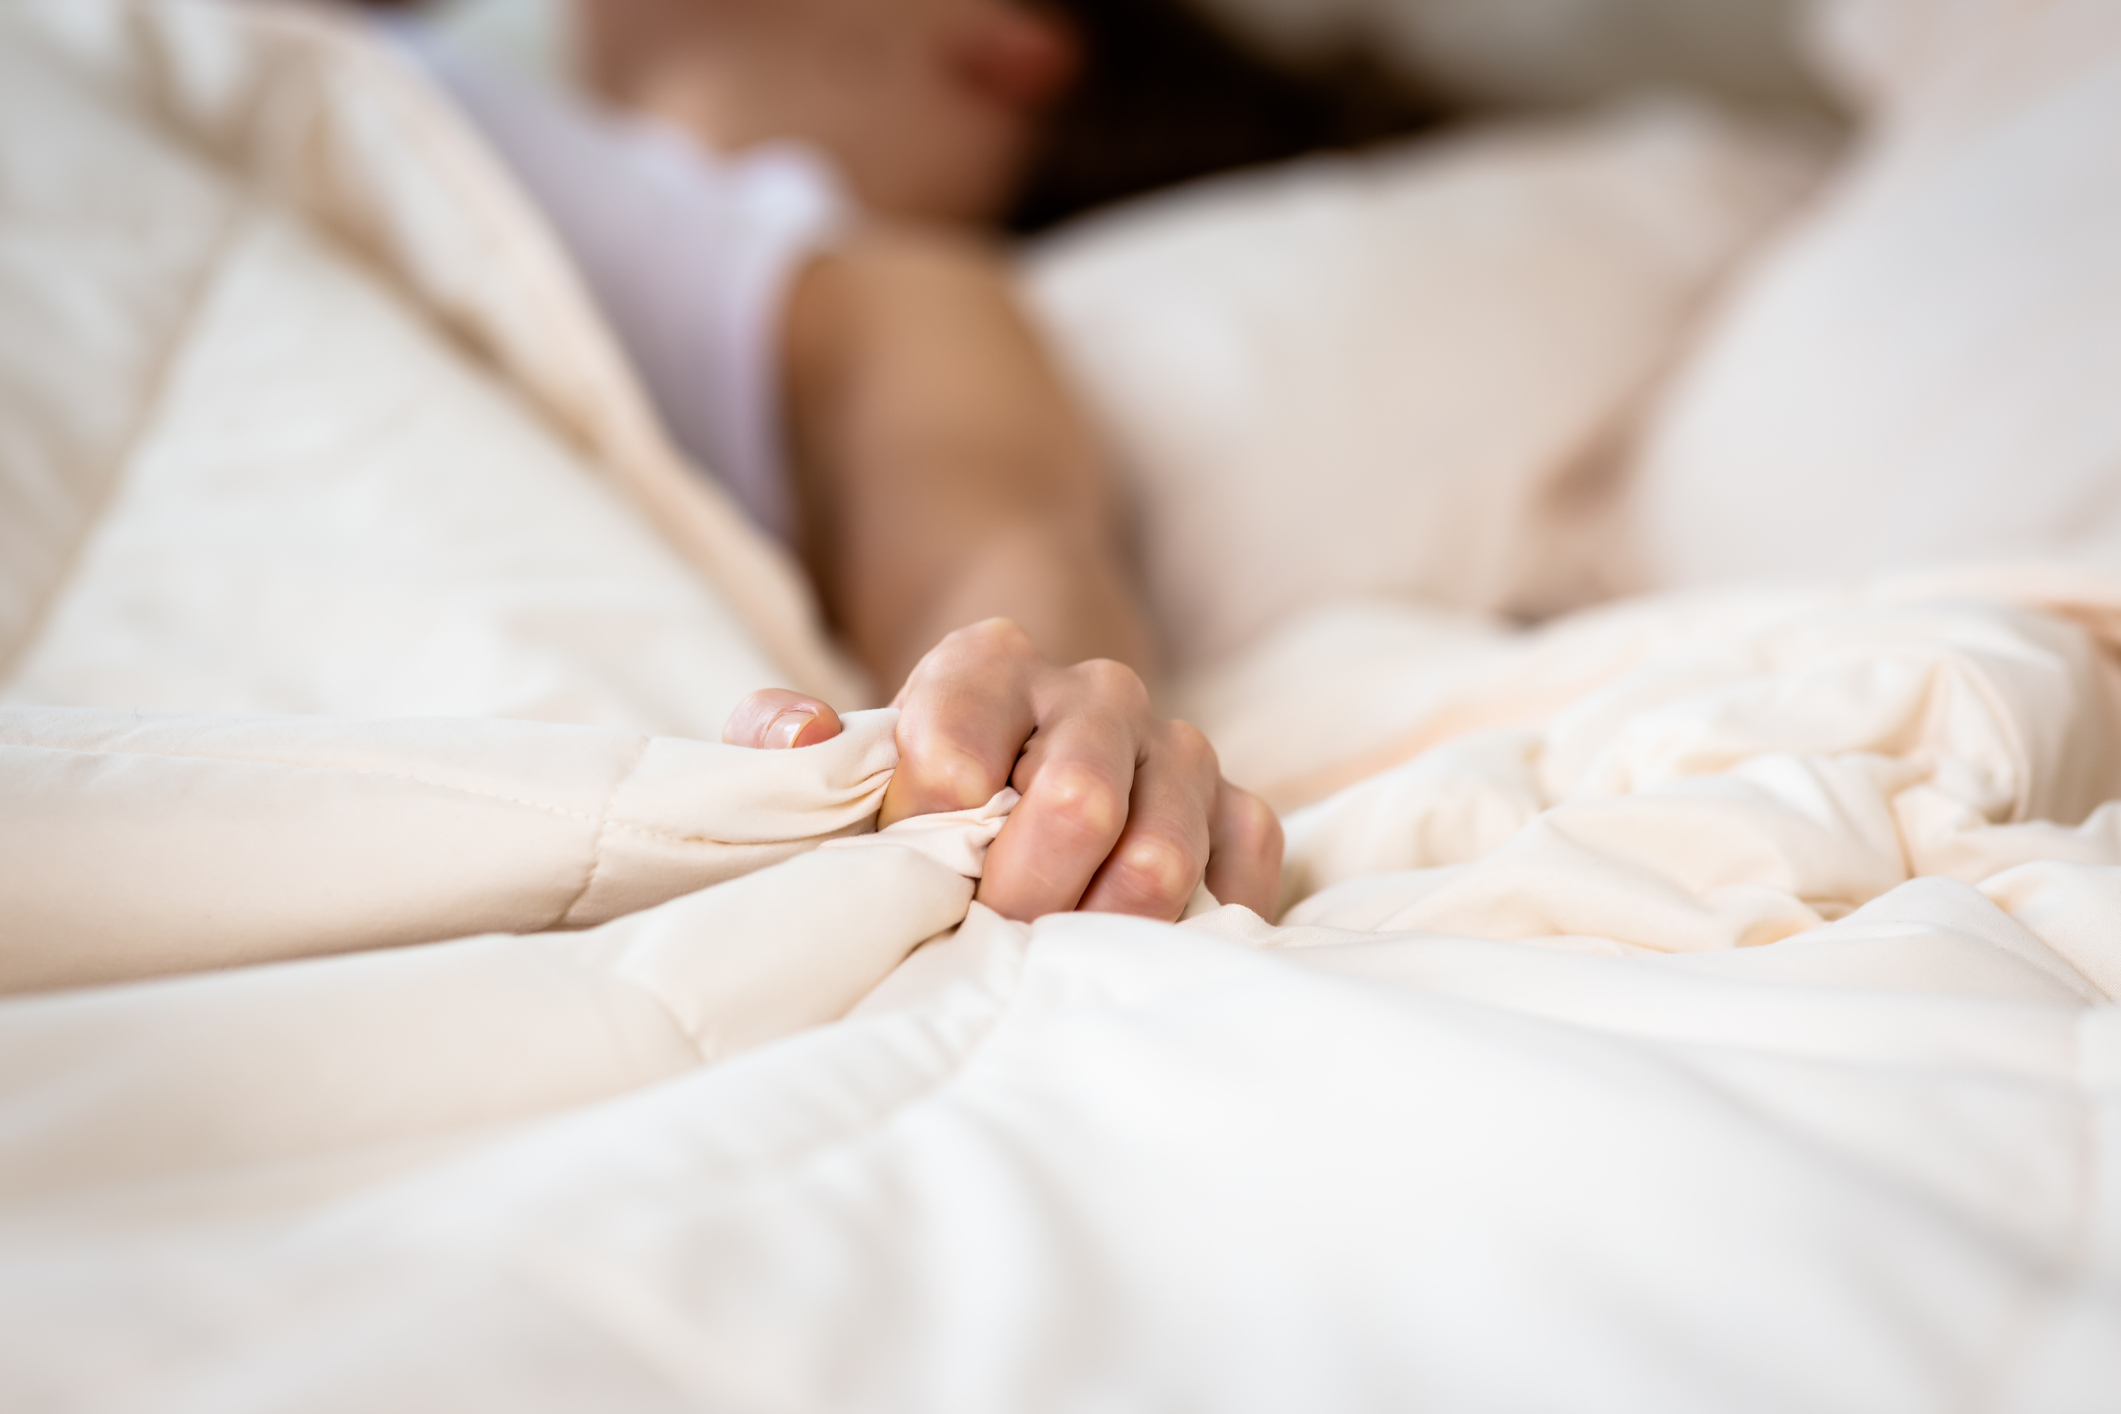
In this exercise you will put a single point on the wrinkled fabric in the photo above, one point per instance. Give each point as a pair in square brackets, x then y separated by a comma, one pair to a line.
[1753, 993]
[140, 845]
[1702, 1003]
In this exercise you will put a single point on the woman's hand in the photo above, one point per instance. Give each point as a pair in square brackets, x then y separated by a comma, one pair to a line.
[1122, 812]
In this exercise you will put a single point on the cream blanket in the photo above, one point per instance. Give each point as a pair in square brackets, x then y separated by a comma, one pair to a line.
[1704, 1003]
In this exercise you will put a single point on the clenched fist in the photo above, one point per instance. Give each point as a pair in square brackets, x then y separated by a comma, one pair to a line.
[1122, 811]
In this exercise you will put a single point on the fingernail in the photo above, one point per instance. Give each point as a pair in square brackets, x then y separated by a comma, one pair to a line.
[787, 727]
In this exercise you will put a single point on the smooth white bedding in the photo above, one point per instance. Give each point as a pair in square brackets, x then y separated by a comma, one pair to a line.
[1702, 1003]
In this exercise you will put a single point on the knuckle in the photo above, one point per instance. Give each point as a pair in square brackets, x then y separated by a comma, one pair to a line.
[1003, 637]
[1156, 873]
[1190, 745]
[1112, 682]
[944, 777]
[1255, 831]
[1260, 827]
[971, 655]
[1082, 800]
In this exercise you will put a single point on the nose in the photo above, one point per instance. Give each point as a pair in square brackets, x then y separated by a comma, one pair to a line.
[1021, 55]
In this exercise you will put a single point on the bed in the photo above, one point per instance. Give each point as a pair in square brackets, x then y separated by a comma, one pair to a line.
[1703, 999]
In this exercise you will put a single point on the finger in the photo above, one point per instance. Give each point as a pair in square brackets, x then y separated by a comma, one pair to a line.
[1244, 859]
[1164, 849]
[775, 719]
[1077, 775]
[964, 716]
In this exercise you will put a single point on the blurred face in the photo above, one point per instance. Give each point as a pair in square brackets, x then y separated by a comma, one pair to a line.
[930, 107]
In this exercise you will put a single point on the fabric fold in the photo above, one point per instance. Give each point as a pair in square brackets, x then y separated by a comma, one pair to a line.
[380, 1053]
[144, 845]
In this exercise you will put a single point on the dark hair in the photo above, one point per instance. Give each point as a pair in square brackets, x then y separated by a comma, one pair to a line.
[1166, 96]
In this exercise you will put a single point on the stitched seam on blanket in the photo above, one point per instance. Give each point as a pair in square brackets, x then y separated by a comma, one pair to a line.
[596, 847]
[151, 408]
[600, 819]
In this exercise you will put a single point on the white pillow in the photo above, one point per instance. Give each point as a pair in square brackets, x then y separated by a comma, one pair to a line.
[1929, 367]
[1363, 377]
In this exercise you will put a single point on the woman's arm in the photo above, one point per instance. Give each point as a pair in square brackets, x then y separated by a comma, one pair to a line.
[945, 476]
[963, 534]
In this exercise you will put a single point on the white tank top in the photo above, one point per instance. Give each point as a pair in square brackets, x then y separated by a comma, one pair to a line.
[689, 254]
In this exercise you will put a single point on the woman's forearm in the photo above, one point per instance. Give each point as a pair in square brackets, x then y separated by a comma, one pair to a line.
[949, 484]
[1066, 590]
[944, 473]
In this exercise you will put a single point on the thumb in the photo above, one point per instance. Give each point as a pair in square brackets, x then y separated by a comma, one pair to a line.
[775, 719]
